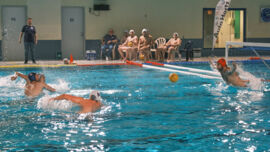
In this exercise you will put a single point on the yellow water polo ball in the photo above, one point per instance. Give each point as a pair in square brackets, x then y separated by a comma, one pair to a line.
[173, 77]
[141, 56]
[130, 44]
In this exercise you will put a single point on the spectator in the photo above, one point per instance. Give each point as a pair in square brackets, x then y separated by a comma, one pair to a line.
[122, 41]
[145, 43]
[124, 38]
[172, 46]
[188, 48]
[108, 42]
[130, 46]
[30, 40]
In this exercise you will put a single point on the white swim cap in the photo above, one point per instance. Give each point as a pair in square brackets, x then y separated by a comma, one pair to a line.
[95, 95]
[144, 30]
[130, 31]
[175, 33]
[65, 61]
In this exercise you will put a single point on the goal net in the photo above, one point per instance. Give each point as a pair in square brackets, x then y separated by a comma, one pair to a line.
[258, 50]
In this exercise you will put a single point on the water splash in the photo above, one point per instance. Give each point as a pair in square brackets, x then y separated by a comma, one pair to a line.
[255, 83]
[61, 86]
[82, 92]
[46, 104]
[10, 88]
[6, 82]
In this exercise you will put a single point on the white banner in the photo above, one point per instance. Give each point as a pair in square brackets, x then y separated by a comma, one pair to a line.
[221, 10]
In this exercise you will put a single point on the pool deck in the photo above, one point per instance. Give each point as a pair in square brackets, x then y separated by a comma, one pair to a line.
[59, 63]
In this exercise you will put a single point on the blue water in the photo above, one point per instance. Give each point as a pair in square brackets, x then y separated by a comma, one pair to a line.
[143, 111]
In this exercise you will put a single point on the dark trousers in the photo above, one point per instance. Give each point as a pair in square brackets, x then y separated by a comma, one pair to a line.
[29, 47]
[109, 52]
[189, 55]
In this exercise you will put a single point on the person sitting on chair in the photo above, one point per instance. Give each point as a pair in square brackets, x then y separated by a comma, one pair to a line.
[121, 44]
[145, 43]
[108, 42]
[173, 45]
[124, 38]
[130, 46]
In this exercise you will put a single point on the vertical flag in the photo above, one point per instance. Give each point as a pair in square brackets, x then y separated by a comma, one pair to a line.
[221, 10]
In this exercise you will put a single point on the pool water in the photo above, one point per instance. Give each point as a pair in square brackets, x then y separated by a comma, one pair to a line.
[143, 111]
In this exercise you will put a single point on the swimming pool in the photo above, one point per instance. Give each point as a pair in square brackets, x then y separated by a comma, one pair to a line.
[143, 111]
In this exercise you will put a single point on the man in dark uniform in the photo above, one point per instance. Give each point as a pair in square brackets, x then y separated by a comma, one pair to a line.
[189, 52]
[108, 42]
[30, 40]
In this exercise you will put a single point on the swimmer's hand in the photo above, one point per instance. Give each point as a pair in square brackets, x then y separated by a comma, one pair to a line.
[234, 64]
[51, 99]
[13, 78]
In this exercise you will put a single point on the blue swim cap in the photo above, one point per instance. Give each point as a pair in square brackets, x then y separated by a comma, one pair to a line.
[32, 76]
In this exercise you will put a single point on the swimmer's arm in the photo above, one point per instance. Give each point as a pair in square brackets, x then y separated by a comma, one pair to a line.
[233, 68]
[46, 86]
[212, 63]
[136, 41]
[22, 76]
[168, 43]
[71, 98]
[140, 43]
[125, 43]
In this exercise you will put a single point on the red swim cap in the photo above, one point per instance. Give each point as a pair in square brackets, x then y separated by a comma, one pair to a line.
[222, 62]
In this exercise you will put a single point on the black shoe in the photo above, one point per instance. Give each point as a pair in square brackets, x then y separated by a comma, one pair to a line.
[34, 62]
[25, 62]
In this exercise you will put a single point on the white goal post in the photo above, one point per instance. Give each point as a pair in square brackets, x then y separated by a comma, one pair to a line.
[242, 44]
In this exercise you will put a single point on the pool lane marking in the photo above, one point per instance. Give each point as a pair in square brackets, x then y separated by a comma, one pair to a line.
[134, 63]
[172, 70]
[181, 72]
[33, 66]
[185, 68]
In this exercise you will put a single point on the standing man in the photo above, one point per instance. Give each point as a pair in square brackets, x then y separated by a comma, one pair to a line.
[108, 42]
[30, 40]
[188, 48]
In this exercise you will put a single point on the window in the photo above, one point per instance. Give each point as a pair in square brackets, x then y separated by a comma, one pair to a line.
[231, 30]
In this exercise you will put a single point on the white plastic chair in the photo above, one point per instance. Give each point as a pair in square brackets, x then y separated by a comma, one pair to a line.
[161, 41]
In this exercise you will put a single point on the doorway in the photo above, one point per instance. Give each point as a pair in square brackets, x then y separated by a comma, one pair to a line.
[13, 19]
[233, 28]
[73, 32]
